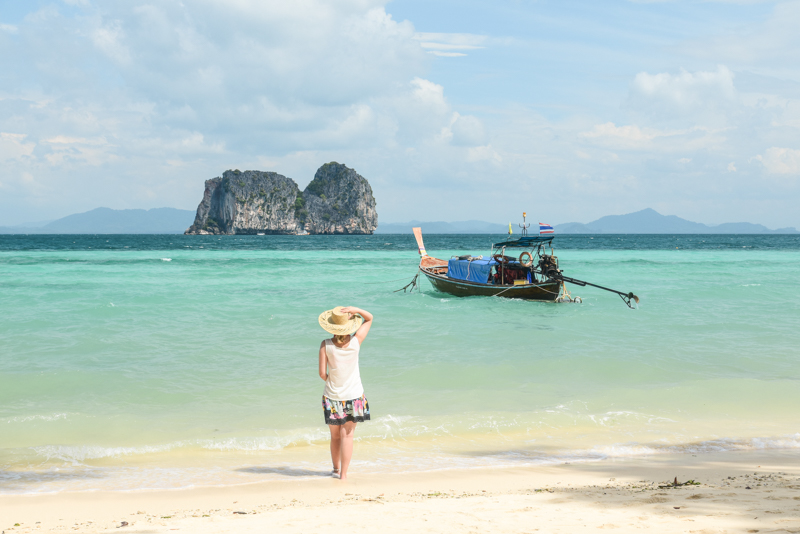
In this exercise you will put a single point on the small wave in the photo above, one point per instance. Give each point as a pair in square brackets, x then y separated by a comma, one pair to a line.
[76, 454]
[26, 418]
[614, 417]
[622, 450]
[166, 259]
[390, 459]
[263, 443]
[390, 430]
[640, 261]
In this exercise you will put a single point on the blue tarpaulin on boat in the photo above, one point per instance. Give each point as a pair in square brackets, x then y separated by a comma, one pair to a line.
[474, 271]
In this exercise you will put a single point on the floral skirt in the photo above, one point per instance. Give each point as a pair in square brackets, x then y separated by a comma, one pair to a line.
[340, 412]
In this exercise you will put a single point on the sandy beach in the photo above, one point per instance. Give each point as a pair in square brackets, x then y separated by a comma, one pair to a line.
[737, 492]
[505, 266]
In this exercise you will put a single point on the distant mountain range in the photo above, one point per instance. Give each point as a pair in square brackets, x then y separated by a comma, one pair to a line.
[108, 221]
[647, 221]
[175, 221]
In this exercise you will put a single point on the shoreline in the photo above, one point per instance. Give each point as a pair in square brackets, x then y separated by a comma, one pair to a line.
[200, 468]
[621, 494]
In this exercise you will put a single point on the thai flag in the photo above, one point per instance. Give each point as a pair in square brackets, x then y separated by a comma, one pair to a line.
[545, 229]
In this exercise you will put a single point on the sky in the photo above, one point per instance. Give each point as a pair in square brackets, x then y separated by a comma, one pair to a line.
[453, 110]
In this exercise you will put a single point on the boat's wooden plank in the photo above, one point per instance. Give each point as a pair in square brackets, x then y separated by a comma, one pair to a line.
[429, 261]
[547, 291]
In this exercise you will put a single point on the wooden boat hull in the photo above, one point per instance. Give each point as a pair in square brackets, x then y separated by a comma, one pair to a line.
[547, 291]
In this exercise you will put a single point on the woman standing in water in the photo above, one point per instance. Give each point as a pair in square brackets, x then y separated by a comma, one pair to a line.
[343, 401]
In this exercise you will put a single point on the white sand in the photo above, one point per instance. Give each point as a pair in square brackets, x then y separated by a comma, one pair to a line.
[616, 495]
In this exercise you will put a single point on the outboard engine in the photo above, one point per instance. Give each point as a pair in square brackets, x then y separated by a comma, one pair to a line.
[548, 265]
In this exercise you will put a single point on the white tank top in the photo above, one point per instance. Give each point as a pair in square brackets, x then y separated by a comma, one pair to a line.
[344, 380]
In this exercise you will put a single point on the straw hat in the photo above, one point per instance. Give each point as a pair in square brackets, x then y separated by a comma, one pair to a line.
[338, 323]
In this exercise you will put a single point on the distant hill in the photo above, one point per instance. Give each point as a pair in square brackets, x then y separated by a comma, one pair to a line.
[109, 221]
[175, 221]
[647, 221]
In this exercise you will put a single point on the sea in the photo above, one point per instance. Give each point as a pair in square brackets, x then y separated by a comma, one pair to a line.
[148, 362]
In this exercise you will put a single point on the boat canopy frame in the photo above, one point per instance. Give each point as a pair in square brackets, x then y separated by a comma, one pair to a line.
[537, 245]
[525, 242]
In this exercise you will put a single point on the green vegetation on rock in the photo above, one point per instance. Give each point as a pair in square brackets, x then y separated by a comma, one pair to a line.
[337, 201]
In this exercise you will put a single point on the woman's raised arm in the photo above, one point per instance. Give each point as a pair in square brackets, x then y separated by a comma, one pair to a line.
[363, 330]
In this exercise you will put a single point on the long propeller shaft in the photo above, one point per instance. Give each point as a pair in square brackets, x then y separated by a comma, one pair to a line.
[626, 297]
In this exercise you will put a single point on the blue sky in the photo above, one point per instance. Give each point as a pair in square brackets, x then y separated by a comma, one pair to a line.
[452, 110]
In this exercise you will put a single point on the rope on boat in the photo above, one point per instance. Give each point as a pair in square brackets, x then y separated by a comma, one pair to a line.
[386, 281]
[414, 284]
[512, 287]
[503, 291]
[566, 297]
[410, 286]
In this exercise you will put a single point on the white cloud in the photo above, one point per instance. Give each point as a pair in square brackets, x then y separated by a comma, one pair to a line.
[464, 130]
[450, 44]
[9, 28]
[484, 153]
[685, 98]
[24, 183]
[68, 151]
[631, 134]
[633, 137]
[447, 54]
[417, 113]
[245, 63]
[193, 89]
[780, 160]
[770, 45]
[429, 94]
[137, 101]
[731, 167]
[13, 146]
[686, 88]
[109, 39]
[65, 140]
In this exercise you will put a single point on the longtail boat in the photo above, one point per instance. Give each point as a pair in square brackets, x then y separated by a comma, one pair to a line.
[533, 275]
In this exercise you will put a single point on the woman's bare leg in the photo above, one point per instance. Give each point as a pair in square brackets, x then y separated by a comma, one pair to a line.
[336, 446]
[346, 432]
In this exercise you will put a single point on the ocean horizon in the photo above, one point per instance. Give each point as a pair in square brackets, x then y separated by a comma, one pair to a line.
[139, 362]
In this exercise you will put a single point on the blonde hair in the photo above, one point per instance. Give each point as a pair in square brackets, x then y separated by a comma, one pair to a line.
[340, 338]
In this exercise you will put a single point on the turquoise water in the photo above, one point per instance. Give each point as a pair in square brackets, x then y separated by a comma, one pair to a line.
[135, 362]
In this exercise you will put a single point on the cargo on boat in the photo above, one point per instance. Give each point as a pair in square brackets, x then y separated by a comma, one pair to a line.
[528, 276]
[521, 268]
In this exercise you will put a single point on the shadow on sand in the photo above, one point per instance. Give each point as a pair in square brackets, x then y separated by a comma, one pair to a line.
[286, 471]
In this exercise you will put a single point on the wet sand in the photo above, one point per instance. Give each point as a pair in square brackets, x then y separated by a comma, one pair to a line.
[737, 492]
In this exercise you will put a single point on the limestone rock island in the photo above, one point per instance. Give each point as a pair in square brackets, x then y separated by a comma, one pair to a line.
[337, 201]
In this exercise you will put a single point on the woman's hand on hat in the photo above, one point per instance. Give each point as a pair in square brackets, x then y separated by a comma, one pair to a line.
[350, 310]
